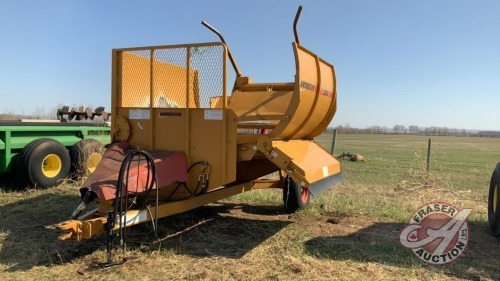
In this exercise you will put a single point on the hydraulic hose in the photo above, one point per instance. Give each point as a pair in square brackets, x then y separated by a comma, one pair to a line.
[122, 186]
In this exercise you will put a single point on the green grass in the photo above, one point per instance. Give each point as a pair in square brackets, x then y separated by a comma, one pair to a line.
[460, 171]
[391, 184]
[348, 233]
[466, 161]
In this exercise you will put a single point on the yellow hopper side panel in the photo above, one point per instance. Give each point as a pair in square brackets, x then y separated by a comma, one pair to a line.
[313, 160]
[299, 110]
[305, 161]
[315, 95]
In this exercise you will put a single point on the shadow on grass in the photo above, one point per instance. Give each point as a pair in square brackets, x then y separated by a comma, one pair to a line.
[379, 243]
[210, 231]
[25, 239]
[9, 182]
[256, 209]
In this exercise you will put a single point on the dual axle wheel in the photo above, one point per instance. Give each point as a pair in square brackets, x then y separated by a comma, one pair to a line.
[45, 162]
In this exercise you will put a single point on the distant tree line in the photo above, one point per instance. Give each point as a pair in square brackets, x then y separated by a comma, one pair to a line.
[412, 130]
[37, 113]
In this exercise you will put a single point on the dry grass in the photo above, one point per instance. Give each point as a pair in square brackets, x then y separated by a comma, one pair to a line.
[229, 241]
[348, 233]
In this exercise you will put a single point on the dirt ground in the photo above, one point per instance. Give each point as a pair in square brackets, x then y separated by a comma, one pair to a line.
[334, 245]
[230, 240]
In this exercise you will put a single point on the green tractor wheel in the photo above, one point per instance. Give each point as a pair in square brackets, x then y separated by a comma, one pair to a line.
[494, 203]
[43, 163]
[85, 156]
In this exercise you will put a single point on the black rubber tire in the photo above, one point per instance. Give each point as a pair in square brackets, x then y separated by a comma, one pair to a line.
[33, 160]
[85, 155]
[494, 202]
[20, 165]
[295, 197]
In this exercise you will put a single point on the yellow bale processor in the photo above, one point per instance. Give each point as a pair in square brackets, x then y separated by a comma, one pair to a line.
[180, 140]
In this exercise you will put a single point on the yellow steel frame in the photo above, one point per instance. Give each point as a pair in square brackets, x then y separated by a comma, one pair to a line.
[92, 224]
[294, 112]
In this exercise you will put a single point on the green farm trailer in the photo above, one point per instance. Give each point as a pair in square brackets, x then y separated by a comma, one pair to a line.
[42, 153]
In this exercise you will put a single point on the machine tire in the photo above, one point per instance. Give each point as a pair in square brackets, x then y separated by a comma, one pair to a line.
[19, 166]
[85, 156]
[43, 163]
[295, 197]
[494, 202]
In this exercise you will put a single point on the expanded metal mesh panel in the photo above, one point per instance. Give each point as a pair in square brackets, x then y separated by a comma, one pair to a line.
[170, 78]
[136, 78]
[176, 77]
[209, 65]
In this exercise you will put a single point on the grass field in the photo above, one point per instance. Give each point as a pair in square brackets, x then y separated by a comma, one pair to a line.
[350, 232]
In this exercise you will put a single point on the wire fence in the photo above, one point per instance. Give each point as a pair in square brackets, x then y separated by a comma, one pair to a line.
[471, 155]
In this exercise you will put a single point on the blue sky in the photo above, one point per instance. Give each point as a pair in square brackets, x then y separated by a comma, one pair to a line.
[426, 63]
